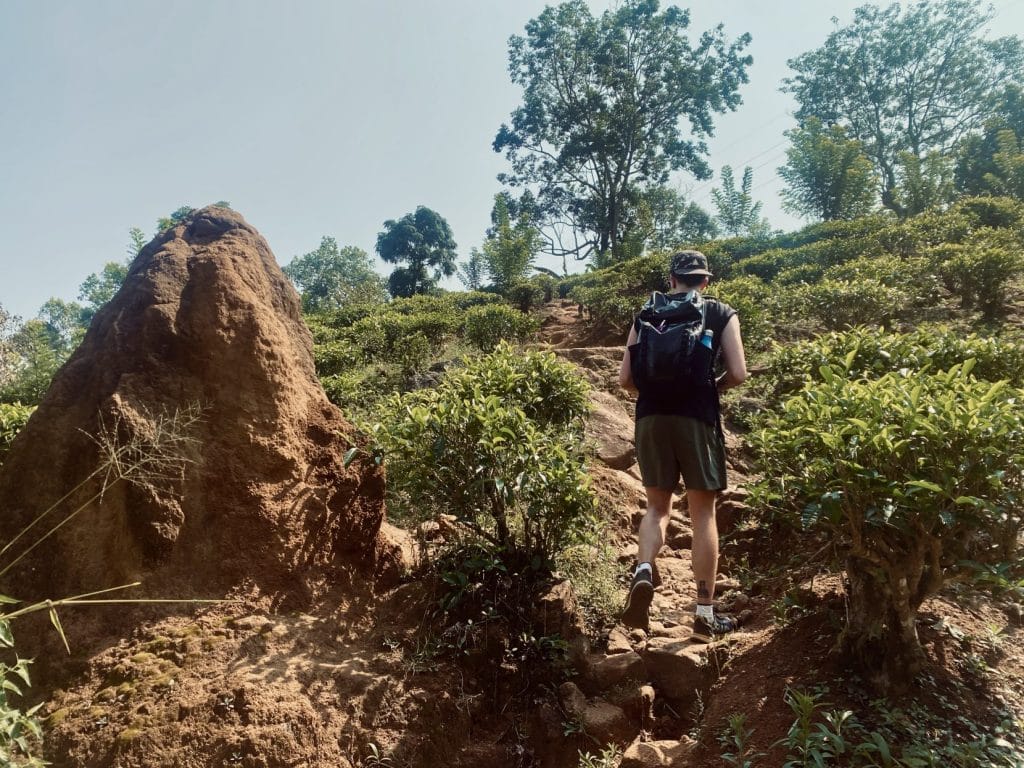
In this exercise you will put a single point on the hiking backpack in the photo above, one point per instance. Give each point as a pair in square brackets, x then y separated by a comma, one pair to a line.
[669, 352]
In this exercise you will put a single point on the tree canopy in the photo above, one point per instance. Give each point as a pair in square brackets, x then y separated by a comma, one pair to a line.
[827, 174]
[511, 245]
[916, 80]
[738, 214]
[422, 240]
[603, 103]
[989, 162]
[331, 277]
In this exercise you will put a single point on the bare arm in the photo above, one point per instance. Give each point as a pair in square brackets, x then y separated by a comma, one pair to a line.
[732, 356]
[625, 371]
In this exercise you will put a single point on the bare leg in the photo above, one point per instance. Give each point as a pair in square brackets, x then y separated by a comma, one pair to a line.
[705, 543]
[654, 526]
[651, 538]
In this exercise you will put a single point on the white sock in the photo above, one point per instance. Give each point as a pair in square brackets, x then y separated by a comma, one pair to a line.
[706, 612]
[643, 567]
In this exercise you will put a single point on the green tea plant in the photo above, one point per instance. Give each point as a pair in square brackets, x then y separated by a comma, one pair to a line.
[485, 326]
[12, 418]
[913, 276]
[756, 304]
[609, 757]
[498, 445]
[982, 270]
[866, 352]
[608, 304]
[912, 474]
[526, 296]
[835, 304]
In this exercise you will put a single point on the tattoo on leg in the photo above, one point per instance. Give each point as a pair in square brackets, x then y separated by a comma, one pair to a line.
[702, 590]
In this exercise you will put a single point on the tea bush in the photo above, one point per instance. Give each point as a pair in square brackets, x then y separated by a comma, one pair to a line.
[871, 353]
[526, 296]
[485, 326]
[12, 418]
[912, 475]
[498, 444]
[21, 732]
[913, 276]
[982, 271]
[835, 304]
[608, 305]
[754, 301]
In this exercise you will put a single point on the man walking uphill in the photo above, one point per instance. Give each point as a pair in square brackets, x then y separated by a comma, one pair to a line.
[678, 427]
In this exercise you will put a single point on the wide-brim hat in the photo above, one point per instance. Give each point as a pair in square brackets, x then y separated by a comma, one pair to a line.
[689, 263]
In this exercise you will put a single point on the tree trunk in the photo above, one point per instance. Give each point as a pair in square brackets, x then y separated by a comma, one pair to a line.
[889, 199]
[880, 639]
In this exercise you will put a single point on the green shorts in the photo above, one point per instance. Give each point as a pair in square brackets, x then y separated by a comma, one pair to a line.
[667, 446]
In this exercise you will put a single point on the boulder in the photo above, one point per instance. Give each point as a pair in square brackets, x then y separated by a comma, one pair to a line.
[653, 754]
[604, 672]
[558, 613]
[680, 669]
[618, 642]
[599, 719]
[611, 429]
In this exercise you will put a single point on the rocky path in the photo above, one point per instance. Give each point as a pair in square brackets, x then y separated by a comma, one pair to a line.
[645, 689]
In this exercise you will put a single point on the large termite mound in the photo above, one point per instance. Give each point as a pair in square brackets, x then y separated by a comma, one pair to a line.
[194, 445]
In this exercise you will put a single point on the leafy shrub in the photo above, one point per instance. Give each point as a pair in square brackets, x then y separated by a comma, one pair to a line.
[370, 336]
[753, 301]
[993, 212]
[911, 475]
[915, 235]
[413, 354]
[982, 270]
[463, 300]
[333, 357]
[822, 253]
[870, 353]
[12, 418]
[835, 304]
[330, 321]
[547, 284]
[526, 296]
[642, 275]
[20, 731]
[608, 305]
[357, 391]
[913, 277]
[498, 445]
[486, 326]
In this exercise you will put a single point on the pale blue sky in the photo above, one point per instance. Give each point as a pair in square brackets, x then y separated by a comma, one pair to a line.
[312, 117]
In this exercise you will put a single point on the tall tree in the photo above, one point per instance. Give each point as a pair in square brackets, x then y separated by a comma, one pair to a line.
[916, 80]
[511, 246]
[827, 174]
[665, 219]
[99, 288]
[924, 183]
[472, 273]
[978, 171]
[603, 103]
[738, 214]
[422, 240]
[332, 277]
